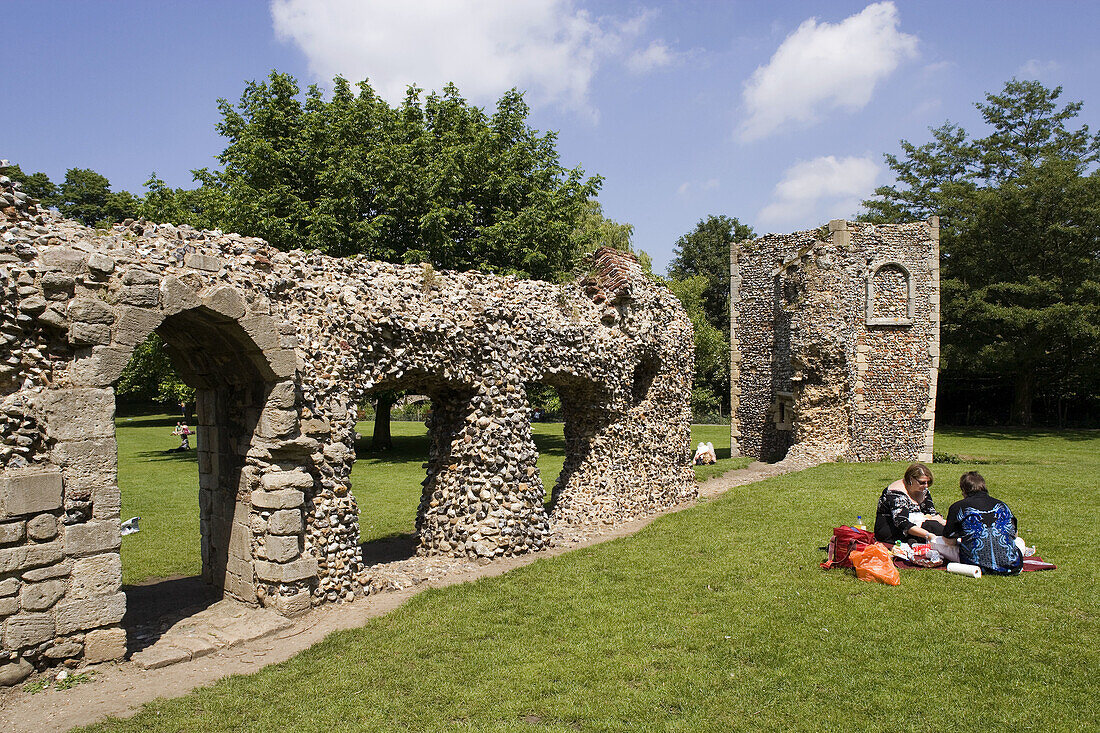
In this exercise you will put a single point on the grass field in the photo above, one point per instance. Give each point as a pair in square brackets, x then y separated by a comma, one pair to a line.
[161, 486]
[719, 618]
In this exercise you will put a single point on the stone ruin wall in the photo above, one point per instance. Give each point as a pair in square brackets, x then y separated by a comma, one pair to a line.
[835, 342]
[282, 347]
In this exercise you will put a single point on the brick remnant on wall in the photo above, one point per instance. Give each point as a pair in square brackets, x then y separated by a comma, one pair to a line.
[835, 342]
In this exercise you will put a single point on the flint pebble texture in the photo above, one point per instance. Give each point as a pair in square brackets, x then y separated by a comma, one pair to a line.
[281, 348]
[835, 342]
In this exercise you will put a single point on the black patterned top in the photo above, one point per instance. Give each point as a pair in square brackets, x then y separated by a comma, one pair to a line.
[892, 517]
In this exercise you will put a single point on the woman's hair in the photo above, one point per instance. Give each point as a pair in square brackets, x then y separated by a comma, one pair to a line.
[915, 471]
[972, 482]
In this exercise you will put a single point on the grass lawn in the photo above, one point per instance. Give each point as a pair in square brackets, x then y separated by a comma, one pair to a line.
[719, 618]
[161, 486]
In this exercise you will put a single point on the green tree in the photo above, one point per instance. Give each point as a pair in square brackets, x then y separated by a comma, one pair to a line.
[87, 197]
[195, 207]
[593, 230]
[1020, 222]
[704, 252]
[433, 180]
[711, 347]
[36, 185]
[150, 377]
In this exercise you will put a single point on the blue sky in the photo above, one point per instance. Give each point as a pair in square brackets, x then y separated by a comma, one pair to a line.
[776, 113]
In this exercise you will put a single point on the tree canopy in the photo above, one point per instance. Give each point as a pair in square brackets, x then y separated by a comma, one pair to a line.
[36, 185]
[712, 354]
[1020, 242]
[434, 179]
[700, 277]
[86, 196]
[150, 376]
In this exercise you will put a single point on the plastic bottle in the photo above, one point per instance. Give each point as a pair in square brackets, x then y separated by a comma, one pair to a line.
[859, 523]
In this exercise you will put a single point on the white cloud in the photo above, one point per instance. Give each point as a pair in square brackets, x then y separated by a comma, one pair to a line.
[824, 66]
[819, 189]
[938, 67]
[1036, 69]
[549, 48]
[689, 187]
[655, 56]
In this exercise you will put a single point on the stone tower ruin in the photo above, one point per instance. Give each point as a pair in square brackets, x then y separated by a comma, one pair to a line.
[835, 342]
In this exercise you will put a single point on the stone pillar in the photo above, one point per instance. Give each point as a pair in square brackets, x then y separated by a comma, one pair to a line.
[276, 493]
[482, 496]
[735, 350]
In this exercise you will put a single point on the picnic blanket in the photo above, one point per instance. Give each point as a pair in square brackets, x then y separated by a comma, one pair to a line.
[847, 539]
[1037, 563]
[1030, 563]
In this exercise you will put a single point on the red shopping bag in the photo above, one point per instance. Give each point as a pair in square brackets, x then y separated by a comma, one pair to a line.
[845, 541]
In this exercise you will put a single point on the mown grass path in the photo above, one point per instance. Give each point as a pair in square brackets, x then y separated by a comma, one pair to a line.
[718, 618]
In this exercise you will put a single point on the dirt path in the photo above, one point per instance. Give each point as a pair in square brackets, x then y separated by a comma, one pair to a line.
[120, 689]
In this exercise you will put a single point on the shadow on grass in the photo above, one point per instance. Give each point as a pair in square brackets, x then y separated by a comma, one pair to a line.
[148, 421]
[154, 606]
[551, 445]
[405, 448]
[170, 454]
[389, 549]
[415, 447]
[1009, 433]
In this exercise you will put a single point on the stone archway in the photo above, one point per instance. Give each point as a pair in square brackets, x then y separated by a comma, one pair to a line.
[278, 345]
[585, 415]
[232, 382]
[251, 483]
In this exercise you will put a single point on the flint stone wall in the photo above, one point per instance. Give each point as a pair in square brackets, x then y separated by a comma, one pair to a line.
[835, 342]
[282, 347]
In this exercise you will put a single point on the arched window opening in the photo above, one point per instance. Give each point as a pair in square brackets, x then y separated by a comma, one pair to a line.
[890, 296]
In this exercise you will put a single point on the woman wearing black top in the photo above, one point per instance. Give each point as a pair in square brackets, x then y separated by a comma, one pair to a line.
[905, 509]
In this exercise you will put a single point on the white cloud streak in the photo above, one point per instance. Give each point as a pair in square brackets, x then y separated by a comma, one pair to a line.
[819, 189]
[825, 66]
[689, 188]
[1036, 69]
[655, 56]
[549, 48]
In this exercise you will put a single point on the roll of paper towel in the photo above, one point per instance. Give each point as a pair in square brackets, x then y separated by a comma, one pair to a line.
[971, 571]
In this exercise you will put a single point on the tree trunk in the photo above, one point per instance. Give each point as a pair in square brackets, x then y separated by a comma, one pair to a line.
[1022, 399]
[382, 439]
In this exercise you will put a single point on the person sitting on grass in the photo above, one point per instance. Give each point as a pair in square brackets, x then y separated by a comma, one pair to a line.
[984, 529]
[183, 433]
[905, 509]
[704, 455]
